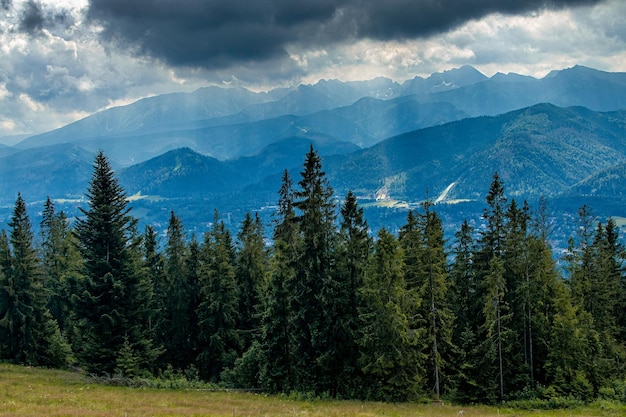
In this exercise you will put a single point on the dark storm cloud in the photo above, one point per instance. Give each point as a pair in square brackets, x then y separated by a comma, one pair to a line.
[34, 17]
[209, 33]
[5, 4]
[219, 33]
[407, 19]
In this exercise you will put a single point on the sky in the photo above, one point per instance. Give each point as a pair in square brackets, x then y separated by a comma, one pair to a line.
[62, 60]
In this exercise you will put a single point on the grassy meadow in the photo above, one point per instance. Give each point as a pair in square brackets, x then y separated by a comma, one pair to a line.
[28, 391]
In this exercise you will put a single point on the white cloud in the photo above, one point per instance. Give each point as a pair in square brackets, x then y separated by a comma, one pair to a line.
[7, 125]
[31, 104]
[4, 93]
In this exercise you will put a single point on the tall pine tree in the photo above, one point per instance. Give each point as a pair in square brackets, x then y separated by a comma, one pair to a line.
[311, 298]
[466, 308]
[493, 334]
[390, 358]
[252, 265]
[434, 292]
[173, 296]
[114, 298]
[218, 315]
[353, 252]
[276, 369]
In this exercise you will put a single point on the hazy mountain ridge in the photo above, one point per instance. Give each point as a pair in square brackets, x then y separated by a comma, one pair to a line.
[59, 171]
[576, 86]
[152, 114]
[221, 122]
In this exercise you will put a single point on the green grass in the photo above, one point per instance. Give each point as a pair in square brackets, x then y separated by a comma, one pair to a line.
[28, 391]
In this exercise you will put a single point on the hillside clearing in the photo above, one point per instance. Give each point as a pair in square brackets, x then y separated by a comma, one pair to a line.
[26, 391]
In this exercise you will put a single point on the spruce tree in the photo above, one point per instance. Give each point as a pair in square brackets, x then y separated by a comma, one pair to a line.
[426, 273]
[570, 347]
[602, 302]
[412, 241]
[252, 265]
[113, 299]
[6, 298]
[219, 342]
[602, 299]
[276, 372]
[492, 238]
[494, 335]
[583, 377]
[251, 269]
[61, 264]
[173, 297]
[342, 302]
[434, 292]
[153, 265]
[466, 307]
[29, 333]
[515, 256]
[495, 330]
[389, 356]
[193, 272]
[579, 257]
[549, 304]
[285, 221]
[311, 298]
[276, 345]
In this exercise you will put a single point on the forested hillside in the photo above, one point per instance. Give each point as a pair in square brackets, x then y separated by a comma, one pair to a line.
[313, 303]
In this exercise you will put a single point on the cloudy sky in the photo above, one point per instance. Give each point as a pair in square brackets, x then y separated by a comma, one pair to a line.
[61, 60]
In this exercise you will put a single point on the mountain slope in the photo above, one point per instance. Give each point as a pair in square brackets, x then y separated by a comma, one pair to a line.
[286, 154]
[382, 119]
[608, 183]
[6, 150]
[58, 171]
[541, 150]
[184, 173]
[180, 173]
[153, 114]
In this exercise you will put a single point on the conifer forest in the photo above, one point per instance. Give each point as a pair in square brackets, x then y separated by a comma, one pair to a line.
[315, 303]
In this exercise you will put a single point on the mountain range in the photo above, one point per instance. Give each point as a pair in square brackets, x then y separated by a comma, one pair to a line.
[234, 122]
[562, 136]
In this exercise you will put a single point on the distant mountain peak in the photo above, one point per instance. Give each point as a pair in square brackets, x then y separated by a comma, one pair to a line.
[466, 74]
[576, 71]
[443, 81]
[511, 77]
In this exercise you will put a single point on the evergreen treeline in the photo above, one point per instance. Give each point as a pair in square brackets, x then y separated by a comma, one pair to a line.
[325, 309]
